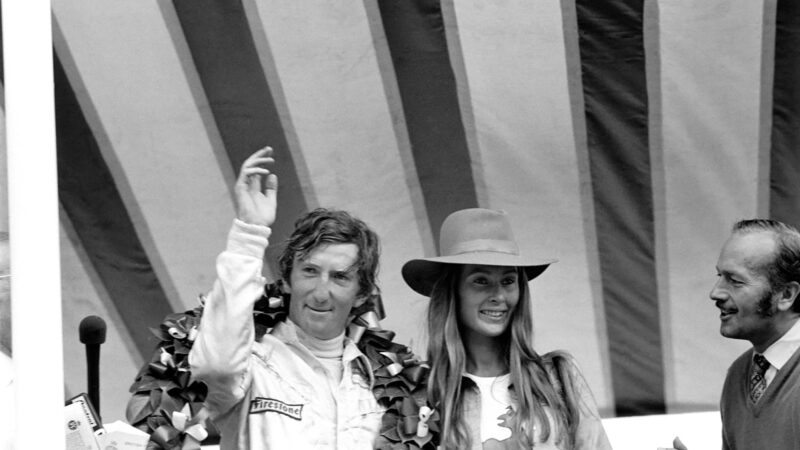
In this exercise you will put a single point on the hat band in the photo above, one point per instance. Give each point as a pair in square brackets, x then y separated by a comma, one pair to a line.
[484, 245]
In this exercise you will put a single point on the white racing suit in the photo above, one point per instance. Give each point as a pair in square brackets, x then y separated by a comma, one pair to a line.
[273, 394]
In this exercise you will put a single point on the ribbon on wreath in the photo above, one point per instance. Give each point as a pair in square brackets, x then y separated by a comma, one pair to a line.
[399, 385]
[164, 394]
[182, 431]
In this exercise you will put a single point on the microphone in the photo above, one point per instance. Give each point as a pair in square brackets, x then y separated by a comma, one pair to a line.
[92, 331]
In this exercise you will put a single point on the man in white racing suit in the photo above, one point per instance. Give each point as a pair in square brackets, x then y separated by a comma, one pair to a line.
[304, 384]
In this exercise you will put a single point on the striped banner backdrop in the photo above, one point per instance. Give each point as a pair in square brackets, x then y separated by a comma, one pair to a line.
[623, 137]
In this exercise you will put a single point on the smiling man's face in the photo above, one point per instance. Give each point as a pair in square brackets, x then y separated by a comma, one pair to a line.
[742, 289]
[324, 288]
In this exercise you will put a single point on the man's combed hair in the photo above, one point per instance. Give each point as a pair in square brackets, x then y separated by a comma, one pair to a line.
[329, 226]
[785, 267]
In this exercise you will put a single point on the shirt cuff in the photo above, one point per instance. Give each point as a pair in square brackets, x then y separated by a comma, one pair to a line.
[248, 239]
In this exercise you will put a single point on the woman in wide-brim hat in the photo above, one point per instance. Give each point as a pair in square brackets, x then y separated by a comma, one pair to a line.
[486, 381]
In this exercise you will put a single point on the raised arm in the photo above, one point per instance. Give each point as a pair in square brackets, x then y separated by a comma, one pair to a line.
[220, 356]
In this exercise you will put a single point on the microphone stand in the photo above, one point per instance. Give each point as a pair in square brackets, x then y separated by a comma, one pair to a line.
[92, 331]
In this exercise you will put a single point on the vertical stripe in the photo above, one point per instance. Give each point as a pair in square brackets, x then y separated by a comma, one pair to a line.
[395, 104]
[88, 194]
[33, 224]
[453, 36]
[709, 125]
[767, 75]
[2, 66]
[3, 165]
[416, 38]
[579, 136]
[5, 303]
[785, 154]
[653, 73]
[226, 60]
[614, 83]
[766, 92]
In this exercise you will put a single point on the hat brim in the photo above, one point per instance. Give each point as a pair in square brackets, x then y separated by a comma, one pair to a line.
[421, 274]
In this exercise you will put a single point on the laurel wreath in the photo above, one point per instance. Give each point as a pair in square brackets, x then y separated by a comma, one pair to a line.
[167, 404]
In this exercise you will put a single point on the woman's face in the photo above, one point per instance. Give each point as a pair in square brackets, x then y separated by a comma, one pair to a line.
[488, 296]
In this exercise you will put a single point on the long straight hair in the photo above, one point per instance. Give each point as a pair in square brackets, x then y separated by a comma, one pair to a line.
[528, 370]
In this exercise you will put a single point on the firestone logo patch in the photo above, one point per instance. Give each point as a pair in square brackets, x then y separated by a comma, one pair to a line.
[261, 404]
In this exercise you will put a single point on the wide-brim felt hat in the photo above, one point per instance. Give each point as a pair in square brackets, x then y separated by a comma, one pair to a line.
[472, 236]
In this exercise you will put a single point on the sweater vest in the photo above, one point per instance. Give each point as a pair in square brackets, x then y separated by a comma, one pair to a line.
[774, 422]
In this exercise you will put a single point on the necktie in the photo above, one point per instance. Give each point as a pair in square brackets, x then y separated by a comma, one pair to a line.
[758, 384]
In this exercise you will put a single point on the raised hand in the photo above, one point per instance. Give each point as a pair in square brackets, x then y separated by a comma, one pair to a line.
[254, 205]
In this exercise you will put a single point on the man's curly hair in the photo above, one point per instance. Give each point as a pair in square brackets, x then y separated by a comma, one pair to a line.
[324, 226]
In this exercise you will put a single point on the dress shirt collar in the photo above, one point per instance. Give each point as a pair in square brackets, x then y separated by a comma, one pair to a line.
[781, 350]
